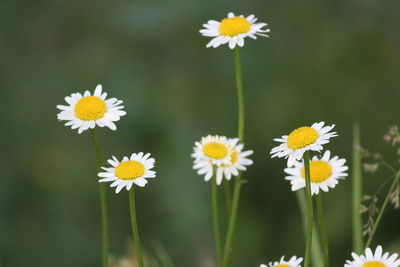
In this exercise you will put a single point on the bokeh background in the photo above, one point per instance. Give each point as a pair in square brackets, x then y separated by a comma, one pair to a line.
[336, 61]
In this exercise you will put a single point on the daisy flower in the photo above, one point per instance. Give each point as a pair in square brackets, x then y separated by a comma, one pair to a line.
[86, 111]
[238, 162]
[324, 173]
[233, 30]
[301, 140]
[373, 260]
[131, 170]
[293, 262]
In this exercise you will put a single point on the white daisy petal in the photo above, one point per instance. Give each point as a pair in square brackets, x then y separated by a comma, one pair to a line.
[250, 17]
[69, 100]
[378, 252]
[118, 189]
[208, 175]
[97, 91]
[109, 179]
[240, 41]
[129, 186]
[219, 176]
[115, 183]
[232, 42]
[140, 182]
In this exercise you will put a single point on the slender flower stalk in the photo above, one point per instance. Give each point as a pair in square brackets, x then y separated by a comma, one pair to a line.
[238, 182]
[310, 220]
[232, 222]
[357, 191]
[316, 253]
[384, 205]
[240, 95]
[103, 201]
[217, 233]
[228, 197]
[322, 230]
[135, 230]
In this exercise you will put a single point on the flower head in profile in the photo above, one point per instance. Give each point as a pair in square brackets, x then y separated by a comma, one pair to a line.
[238, 162]
[371, 259]
[85, 111]
[131, 170]
[233, 30]
[301, 140]
[325, 173]
[293, 262]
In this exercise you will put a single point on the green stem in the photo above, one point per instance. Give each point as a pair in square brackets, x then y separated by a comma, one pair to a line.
[240, 94]
[217, 234]
[103, 201]
[356, 191]
[310, 212]
[378, 219]
[228, 196]
[232, 222]
[316, 253]
[238, 183]
[135, 230]
[322, 230]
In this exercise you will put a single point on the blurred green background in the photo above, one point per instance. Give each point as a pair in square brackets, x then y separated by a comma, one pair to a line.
[336, 61]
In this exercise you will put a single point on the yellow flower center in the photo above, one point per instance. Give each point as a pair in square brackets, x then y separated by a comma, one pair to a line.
[319, 171]
[90, 108]
[302, 137]
[215, 150]
[234, 157]
[234, 26]
[129, 170]
[282, 265]
[374, 264]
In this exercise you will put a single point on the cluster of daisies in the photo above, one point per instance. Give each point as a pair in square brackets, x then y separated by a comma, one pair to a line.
[369, 259]
[87, 111]
[221, 156]
[325, 170]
